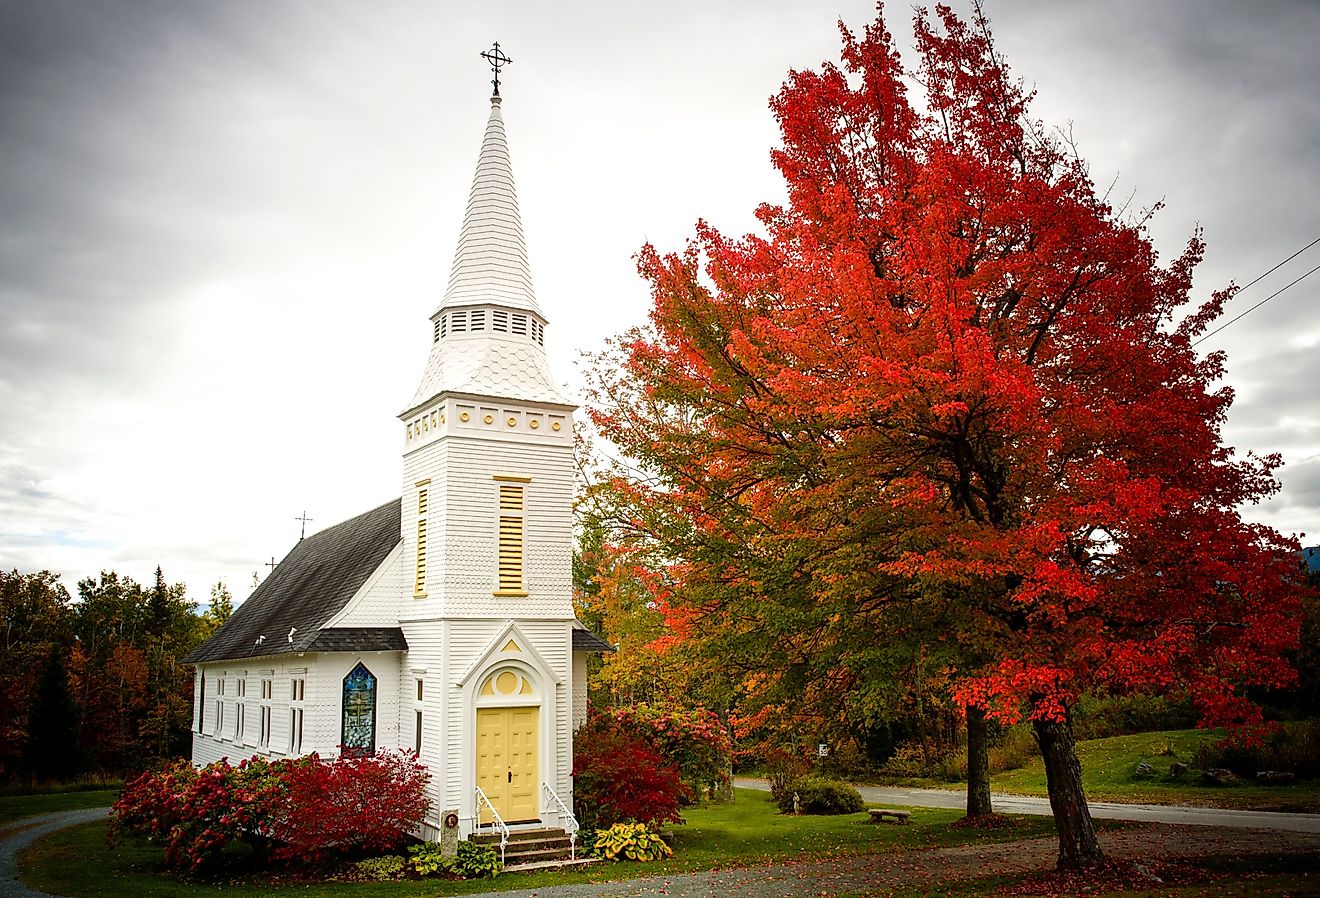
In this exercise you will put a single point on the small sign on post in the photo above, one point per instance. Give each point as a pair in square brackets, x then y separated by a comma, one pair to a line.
[822, 749]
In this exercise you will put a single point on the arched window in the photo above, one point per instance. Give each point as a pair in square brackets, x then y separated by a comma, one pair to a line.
[359, 732]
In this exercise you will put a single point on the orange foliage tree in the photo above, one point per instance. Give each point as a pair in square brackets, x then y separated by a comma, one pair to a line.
[948, 402]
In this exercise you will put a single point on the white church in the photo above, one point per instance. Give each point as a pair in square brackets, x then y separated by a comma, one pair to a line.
[442, 621]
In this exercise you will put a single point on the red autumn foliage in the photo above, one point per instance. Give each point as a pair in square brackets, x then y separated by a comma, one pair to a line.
[350, 803]
[305, 809]
[196, 813]
[694, 740]
[950, 397]
[618, 776]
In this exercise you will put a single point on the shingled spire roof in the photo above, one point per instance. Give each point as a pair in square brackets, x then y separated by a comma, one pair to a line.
[489, 332]
[490, 263]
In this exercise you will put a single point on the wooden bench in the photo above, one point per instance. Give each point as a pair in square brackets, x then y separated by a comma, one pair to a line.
[879, 814]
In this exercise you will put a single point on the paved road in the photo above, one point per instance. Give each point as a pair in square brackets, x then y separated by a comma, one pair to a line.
[1101, 810]
[36, 827]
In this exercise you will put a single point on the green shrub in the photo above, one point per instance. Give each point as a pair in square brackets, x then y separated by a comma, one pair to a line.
[908, 760]
[380, 869]
[631, 841]
[817, 795]
[1293, 748]
[1012, 748]
[951, 767]
[476, 861]
[1102, 716]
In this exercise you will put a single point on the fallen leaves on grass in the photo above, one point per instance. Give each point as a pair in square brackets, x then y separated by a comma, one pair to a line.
[984, 821]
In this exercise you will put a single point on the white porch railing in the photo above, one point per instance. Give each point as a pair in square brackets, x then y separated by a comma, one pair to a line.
[496, 821]
[569, 822]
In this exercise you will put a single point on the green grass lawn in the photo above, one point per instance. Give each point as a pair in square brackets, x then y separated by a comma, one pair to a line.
[1109, 774]
[75, 861]
[16, 807]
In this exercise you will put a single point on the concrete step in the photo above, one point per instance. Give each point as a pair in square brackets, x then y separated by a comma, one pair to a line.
[486, 837]
[512, 856]
[563, 864]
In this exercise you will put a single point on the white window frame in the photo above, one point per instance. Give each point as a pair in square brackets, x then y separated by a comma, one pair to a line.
[297, 707]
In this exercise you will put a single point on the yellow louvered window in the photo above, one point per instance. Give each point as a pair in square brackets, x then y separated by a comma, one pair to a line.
[419, 583]
[510, 560]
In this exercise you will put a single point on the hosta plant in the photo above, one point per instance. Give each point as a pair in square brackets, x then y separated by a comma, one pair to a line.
[476, 861]
[428, 859]
[380, 869]
[631, 841]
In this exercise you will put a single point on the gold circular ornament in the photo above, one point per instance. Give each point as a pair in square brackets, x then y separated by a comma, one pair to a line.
[554, 426]
[533, 424]
[489, 418]
[463, 417]
[513, 421]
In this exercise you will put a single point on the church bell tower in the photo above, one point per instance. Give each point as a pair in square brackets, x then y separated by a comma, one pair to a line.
[486, 521]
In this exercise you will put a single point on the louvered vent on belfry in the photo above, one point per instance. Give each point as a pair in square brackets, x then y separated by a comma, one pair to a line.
[467, 321]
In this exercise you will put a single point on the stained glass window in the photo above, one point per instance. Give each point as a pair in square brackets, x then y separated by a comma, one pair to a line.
[359, 735]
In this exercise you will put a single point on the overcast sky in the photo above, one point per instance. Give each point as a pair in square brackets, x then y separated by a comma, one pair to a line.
[223, 225]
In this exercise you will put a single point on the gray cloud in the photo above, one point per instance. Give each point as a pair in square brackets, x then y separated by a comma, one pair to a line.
[205, 209]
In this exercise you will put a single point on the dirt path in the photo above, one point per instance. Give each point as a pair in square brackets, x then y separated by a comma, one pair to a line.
[943, 865]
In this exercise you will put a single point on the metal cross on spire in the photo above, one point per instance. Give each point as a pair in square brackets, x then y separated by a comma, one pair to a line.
[304, 520]
[496, 58]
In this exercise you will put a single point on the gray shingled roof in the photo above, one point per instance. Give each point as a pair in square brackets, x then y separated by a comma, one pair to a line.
[360, 639]
[310, 586]
[586, 641]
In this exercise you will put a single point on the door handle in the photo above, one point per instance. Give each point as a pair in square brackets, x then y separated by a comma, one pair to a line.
[510, 776]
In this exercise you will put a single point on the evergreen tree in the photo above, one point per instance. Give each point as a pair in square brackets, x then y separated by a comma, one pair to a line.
[52, 753]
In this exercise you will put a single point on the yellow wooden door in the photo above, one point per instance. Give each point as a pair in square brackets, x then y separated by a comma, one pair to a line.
[507, 753]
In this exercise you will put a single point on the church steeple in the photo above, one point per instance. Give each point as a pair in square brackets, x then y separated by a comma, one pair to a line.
[490, 262]
[489, 331]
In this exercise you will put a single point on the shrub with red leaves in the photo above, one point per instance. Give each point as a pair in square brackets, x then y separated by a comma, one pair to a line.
[366, 803]
[694, 740]
[618, 777]
[196, 813]
[306, 808]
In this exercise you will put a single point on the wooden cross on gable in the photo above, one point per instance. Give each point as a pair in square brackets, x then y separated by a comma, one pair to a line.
[497, 59]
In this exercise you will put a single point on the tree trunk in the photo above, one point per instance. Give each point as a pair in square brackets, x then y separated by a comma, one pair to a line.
[978, 764]
[1078, 847]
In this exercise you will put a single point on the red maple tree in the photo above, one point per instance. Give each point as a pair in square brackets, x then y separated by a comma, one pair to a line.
[951, 395]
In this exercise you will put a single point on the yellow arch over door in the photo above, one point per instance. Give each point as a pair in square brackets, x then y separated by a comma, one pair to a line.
[508, 749]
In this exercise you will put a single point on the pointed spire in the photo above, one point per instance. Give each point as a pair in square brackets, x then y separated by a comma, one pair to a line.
[490, 263]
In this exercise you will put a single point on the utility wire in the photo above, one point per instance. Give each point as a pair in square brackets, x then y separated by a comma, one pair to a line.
[1244, 314]
[1280, 265]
